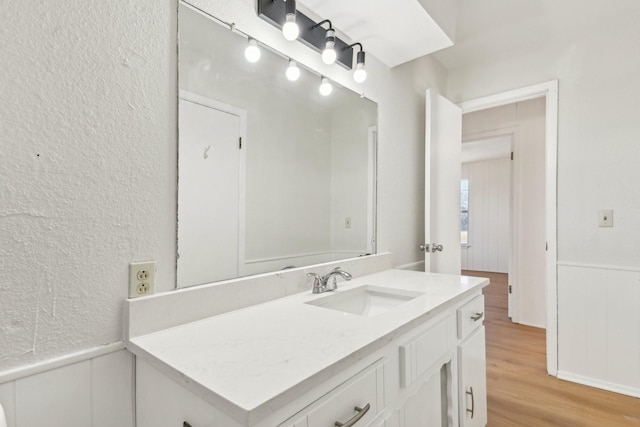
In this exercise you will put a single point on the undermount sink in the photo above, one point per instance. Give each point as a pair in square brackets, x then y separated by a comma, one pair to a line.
[365, 300]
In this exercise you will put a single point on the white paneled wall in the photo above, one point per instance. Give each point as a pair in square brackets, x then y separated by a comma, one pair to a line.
[599, 327]
[96, 392]
[489, 207]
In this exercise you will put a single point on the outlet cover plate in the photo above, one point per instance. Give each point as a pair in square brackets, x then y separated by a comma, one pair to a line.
[142, 278]
[605, 218]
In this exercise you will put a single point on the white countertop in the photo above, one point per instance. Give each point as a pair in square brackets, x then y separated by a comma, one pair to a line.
[249, 362]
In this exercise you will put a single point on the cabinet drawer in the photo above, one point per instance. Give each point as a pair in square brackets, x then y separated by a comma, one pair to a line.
[470, 316]
[418, 355]
[364, 391]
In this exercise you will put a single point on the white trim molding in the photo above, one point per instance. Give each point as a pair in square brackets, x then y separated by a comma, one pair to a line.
[627, 391]
[59, 362]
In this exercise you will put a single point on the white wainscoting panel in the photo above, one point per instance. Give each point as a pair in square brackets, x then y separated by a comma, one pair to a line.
[112, 384]
[58, 398]
[7, 400]
[599, 327]
[95, 392]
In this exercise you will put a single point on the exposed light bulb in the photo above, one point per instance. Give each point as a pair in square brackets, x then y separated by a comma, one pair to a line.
[329, 54]
[293, 72]
[252, 52]
[290, 29]
[360, 74]
[325, 87]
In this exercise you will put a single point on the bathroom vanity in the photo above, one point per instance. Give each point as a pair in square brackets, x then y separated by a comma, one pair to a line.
[394, 348]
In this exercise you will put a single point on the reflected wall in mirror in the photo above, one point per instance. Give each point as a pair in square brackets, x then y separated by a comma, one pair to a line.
[271, 173]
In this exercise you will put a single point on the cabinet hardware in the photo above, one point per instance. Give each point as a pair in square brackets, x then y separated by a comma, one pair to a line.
[424, 248]
[359, 414]
[477, 316]
[470, 392]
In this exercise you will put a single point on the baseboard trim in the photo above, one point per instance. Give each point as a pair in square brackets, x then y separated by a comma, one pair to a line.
[414, 266]
[59, 362]
[591, 382]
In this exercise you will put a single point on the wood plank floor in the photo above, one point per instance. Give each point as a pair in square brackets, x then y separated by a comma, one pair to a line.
[519, 391]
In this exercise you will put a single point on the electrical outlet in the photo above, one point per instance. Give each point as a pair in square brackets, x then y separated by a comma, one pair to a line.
[142, 277]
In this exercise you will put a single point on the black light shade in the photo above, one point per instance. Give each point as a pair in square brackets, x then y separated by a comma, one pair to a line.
[311, 34]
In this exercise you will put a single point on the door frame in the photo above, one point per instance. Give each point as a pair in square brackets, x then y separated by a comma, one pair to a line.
[548, 90]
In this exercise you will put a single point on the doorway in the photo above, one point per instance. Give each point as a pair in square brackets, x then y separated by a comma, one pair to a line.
[503, 166]
[549, 93]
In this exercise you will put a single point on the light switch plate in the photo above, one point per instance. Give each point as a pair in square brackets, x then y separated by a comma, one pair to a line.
[605, 218]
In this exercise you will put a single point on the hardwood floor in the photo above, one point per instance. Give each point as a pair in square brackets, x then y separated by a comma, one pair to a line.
[519, 391]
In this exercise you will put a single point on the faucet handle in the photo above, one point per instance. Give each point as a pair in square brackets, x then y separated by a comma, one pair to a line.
[317, 283]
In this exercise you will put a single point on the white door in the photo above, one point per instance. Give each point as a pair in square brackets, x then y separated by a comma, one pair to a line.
[209, 162]
[443, 140]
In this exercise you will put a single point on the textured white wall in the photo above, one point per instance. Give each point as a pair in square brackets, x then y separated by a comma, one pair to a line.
[87, 136]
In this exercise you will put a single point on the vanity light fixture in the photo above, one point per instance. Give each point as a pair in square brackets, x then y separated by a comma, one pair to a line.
[293, 72]
[252, 52]
[360, 74]
[290, 29]
[280, 13]
[329, 54]
[325, 87]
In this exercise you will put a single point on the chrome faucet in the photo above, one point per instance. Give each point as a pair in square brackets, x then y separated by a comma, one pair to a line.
[321, 283]
[333, 273]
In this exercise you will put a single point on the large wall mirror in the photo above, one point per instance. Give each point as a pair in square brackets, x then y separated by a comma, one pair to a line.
[272, 175]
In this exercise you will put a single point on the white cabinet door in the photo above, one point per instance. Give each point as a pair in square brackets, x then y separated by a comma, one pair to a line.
[426, 408]
[473, 381]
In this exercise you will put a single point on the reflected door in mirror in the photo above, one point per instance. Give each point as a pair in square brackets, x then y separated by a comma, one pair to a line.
[209, 162]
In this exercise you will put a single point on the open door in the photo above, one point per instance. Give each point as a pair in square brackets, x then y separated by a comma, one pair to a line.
[443, 142]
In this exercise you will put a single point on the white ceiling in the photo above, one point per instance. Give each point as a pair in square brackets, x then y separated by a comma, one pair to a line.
[401, 30]
[494, 29]
[395, 31]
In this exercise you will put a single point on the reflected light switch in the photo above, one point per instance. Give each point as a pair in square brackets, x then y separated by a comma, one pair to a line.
[605, 218]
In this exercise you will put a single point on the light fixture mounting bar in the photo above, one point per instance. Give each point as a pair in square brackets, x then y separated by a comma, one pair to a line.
[312, 35]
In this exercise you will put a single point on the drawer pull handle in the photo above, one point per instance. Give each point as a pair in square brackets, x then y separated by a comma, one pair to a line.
[360, 413]
[470, 392]
[477, 316]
